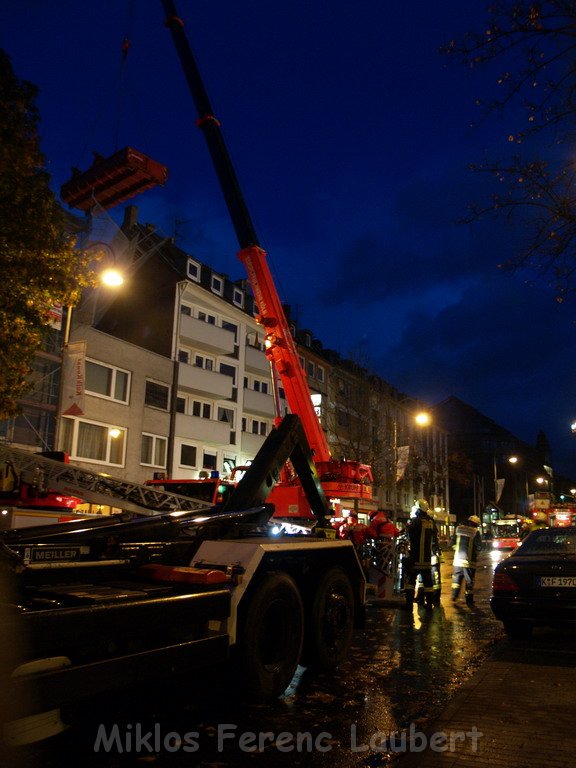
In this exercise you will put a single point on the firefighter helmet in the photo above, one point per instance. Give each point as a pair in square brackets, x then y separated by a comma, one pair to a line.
[423, 505]
[540, 517]
[474, 519]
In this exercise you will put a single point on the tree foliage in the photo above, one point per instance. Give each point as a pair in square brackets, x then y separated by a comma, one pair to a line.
[531, 47]
[39, 265]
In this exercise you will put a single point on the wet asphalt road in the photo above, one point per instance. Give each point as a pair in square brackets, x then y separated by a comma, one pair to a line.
[402, 670]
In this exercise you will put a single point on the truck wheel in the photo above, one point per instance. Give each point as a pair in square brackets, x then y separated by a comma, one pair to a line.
[270, 636]
[331, 621]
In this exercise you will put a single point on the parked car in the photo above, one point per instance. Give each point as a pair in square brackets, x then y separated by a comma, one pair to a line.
[536, 584]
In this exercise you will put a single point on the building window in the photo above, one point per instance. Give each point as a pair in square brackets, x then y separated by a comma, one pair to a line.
[226, 415]
[183, 356]
[320, 374]
[310, 368]
[206, 317]
[186, 310]
[344, 388]
[228, 464]
[244, 424]
[180, 405]
[202, 410]
[228, 326]
[157, 395]
[217, 285]
[193, 270]
[153, 451]
[259, 427]
[107, 381]
[228, 370]
[188, 455]
[238, 297]
[209, 460]
[261, 386]
[90, 441]
[204, 362]
[302, 362]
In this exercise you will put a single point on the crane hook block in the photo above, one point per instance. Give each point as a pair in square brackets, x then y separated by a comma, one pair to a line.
[112, 180]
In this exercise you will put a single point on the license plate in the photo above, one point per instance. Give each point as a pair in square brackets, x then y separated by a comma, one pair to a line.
[558, 581]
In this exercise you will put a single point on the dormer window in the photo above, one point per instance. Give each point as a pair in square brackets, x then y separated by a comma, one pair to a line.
[238, 297]
[217, 285]
[193, 270]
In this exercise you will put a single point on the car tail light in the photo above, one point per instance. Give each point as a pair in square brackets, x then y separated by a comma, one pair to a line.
[502, 582]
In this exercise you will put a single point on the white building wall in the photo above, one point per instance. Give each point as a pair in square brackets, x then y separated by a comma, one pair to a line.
[133, 417]
[202, 439]
[204, 338]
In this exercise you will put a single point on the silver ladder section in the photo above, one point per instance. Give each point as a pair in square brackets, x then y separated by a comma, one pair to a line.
[94, 487]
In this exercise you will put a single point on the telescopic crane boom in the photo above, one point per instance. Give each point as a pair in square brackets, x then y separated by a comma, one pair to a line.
[348, 479]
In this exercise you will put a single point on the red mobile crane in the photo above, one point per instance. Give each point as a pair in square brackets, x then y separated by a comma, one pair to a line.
[339, 478]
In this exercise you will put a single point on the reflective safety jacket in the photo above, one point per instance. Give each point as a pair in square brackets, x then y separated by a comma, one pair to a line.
[468, 543]
[423, 537]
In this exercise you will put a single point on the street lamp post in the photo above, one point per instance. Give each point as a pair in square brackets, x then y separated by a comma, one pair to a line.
[111, 278]
[401, 453]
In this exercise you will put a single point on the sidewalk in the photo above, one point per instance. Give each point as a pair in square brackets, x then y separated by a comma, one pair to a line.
[510, 714]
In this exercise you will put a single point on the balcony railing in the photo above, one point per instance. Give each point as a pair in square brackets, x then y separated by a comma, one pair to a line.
[204, 430]
[258, 403]
[209, 338]
[202, 382]
[250, 444]
[256, 361]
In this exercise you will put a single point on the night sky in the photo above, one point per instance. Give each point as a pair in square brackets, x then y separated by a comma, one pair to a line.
[351, 136]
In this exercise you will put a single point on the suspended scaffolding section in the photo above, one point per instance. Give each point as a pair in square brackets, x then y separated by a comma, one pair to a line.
[112, 180]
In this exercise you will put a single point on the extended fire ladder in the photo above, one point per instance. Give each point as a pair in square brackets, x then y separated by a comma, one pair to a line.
[46, 474]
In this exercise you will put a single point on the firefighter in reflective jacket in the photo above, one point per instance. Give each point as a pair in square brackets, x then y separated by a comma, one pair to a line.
[467, 544]
[423, 538]
[381, 527]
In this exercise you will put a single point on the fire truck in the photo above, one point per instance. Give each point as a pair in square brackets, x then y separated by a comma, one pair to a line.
[172, 584]
[168, 586]
[559, 512]
[32, 503]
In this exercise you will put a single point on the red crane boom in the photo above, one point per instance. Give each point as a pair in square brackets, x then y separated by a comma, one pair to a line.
[341, 478]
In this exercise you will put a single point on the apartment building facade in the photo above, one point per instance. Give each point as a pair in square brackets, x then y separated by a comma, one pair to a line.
[176, 382]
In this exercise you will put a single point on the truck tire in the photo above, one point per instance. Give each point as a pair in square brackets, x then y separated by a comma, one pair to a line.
[330, 622]
[270, 636]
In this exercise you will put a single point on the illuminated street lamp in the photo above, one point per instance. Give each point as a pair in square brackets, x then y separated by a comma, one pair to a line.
[111, 278]
[423, 419]
[401, 452]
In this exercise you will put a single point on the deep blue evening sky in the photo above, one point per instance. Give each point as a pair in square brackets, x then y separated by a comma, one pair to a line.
[351, 136]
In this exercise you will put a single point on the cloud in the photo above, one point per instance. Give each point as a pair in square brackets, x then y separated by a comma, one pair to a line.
[499, 349]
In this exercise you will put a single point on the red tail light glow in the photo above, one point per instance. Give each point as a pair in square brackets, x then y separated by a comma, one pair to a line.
[502, 582]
